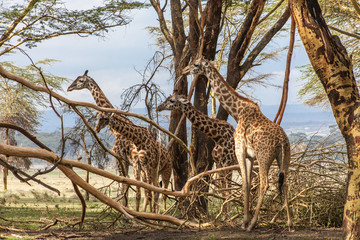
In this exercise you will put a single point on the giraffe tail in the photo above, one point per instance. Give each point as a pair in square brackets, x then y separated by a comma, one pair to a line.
[281, 166]
[281, 181]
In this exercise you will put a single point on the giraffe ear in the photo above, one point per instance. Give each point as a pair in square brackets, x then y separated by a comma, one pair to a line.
[86, 72]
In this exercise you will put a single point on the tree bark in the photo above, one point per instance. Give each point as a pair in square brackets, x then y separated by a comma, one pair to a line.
[202, 144]
[5, 174]
[334, 69]
[178, 154]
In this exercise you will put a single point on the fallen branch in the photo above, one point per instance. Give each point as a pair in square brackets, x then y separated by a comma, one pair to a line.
[65, 166]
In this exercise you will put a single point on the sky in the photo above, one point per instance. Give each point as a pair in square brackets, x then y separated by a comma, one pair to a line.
[113, 61]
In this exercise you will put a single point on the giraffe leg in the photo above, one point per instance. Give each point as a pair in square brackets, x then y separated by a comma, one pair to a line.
[263, 187]
[136, 170]
[166, 175]
[286, 200]
[240, 155]
[154, 196]
[147, 198]
[125, 187]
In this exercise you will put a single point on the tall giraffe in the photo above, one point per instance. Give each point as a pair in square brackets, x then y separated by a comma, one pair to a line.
[256, 137]
[155, 162]
[123, 147]
[221, 132]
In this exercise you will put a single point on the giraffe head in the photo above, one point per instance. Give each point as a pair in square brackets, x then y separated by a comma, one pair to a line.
[80, 82]
[172, 102]
[103, 119]
[197, 67]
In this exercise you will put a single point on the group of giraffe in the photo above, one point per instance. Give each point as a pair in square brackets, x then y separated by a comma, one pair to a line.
[255, 137]
[149, 158]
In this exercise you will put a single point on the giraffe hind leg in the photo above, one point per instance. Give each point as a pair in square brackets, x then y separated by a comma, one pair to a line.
[263, 188]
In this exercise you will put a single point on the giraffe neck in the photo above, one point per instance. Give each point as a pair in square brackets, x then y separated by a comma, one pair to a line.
[134, 133]
[232, 102]
[200, 121]
[99, 96]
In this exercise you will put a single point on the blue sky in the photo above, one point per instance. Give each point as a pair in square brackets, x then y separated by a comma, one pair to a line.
[112, 61]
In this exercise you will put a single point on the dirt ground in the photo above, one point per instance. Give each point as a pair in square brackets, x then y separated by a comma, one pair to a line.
[129, 234]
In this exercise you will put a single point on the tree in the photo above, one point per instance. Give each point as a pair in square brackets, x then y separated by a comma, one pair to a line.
[21, 106]
[342, 18]
[37, 21]
[334, 69]
[41, 20]
[235, 27]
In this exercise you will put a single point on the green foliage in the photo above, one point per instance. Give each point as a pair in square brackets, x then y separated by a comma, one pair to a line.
[50, 18]
[20, 104]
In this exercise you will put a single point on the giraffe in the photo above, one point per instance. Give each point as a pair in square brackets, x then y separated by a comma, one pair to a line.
[221, 132]
[135, 154]
[154, 162]
[123, 146]
[256, 137]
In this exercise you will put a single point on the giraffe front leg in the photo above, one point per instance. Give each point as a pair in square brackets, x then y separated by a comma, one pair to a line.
[147, 198]
[166, 175]
[125, 187]
[137, 176]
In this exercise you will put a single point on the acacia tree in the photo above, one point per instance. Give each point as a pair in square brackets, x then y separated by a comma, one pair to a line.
[242, 38]
[21, 106]
[334, 68]
[40, 20]
[29, 24]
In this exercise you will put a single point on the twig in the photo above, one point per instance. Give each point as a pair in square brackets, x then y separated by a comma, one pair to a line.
[15, 171]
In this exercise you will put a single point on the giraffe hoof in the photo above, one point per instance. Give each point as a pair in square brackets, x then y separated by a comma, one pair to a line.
[250, 228]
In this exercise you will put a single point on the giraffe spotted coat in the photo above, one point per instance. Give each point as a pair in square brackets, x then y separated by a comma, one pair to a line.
[256, 137]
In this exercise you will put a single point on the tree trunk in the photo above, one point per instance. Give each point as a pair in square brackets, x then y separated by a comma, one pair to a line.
[5, 170]
[202, 144]
[177, 153]
[334, 69]
[5, 174]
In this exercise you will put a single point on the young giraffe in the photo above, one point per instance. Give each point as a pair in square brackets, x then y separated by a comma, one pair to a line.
[221, 132]
[256, 137]
[123, 147]
[136, 155]
[155, 162]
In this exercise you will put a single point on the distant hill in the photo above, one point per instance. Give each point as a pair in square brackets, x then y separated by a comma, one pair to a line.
[296, 118]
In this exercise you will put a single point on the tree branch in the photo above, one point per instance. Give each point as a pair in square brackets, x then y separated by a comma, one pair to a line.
[32, 86]
[19, 18]
[163, 26]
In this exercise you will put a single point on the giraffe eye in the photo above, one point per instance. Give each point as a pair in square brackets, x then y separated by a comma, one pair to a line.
[196, 65]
